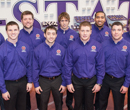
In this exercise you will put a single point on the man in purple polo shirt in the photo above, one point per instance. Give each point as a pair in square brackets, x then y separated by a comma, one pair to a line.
[48, 69]
[85, 59]
[65, 36]
[117, 68]
[100, 32]
[15, 66]
[33, 37]
[126, 36]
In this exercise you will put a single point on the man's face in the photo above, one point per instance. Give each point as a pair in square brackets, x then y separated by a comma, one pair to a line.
[117, 32]
[85, 33]
[27, 21]
[12, 32]
[50, 35]
[100, 19]
[64, 23]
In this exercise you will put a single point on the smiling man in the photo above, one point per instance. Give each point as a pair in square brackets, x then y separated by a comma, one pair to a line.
[48, 69]
[100, 31]
[15, 66]
[117, 68]
[33, 37]
[85, 59]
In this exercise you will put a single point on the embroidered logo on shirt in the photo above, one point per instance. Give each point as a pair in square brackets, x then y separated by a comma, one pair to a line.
[37, 36]
[106, 33]
[58, 52]
[71, 37]
[124, 48]
[93, 48]
[23, 49]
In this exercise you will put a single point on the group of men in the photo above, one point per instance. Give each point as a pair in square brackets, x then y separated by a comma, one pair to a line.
[96, 60]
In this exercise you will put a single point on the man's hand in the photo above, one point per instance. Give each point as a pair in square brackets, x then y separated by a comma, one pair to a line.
[38, 90]
[70, 88]
[96, 88]
[29, 87]
[123, 89]
[62, 89]
[6, 96]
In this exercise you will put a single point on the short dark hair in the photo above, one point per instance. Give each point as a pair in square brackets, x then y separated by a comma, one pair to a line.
[50, 27]
[99, 12]
[64, 15]
[85, 23]
[10, 24]
[129, 21]
[27, 13]
[118, 24]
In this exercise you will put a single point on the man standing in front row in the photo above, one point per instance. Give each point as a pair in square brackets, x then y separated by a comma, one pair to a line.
[117, 68]
[48, 69]
[33, 37]
[15, 65]
[85, 59]
[65, 36]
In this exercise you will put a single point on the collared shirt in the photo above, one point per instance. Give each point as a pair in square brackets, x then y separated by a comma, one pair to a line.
[126, 36]
[48, 62]
[14, 62]
[33, 39]
[100, 35]
[64, 38]
[2, 40]
[117, 59]
[84, 61]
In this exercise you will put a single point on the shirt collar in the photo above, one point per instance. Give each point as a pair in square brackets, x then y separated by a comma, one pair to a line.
[82, 42]
[11, 44]
[48, 45]
[27, 32]
[117, 42]
[64, 32]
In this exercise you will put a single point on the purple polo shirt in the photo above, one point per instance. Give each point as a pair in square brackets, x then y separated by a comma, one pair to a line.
[64, 38]
[100, 35]
[84, 61]
[117, 59]
[48, 62]
[33, 39]
[15, 62]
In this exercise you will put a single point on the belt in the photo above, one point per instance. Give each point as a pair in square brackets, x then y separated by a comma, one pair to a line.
[110, 76]
[50, 78]
[82, 77]
[16, 80]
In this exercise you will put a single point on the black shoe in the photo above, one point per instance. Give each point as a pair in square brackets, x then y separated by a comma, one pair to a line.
[70, 107]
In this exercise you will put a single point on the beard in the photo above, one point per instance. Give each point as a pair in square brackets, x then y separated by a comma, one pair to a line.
[28, 27]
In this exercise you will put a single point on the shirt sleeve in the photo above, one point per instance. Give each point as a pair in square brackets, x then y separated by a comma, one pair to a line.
[100, 65]
[2, 81]
[127, 76]
[68, 65]
[63, 69]
[36, 69]
[29, 66]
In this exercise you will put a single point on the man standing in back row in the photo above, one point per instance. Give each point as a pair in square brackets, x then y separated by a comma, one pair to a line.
[33, 37]
[65, 36]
